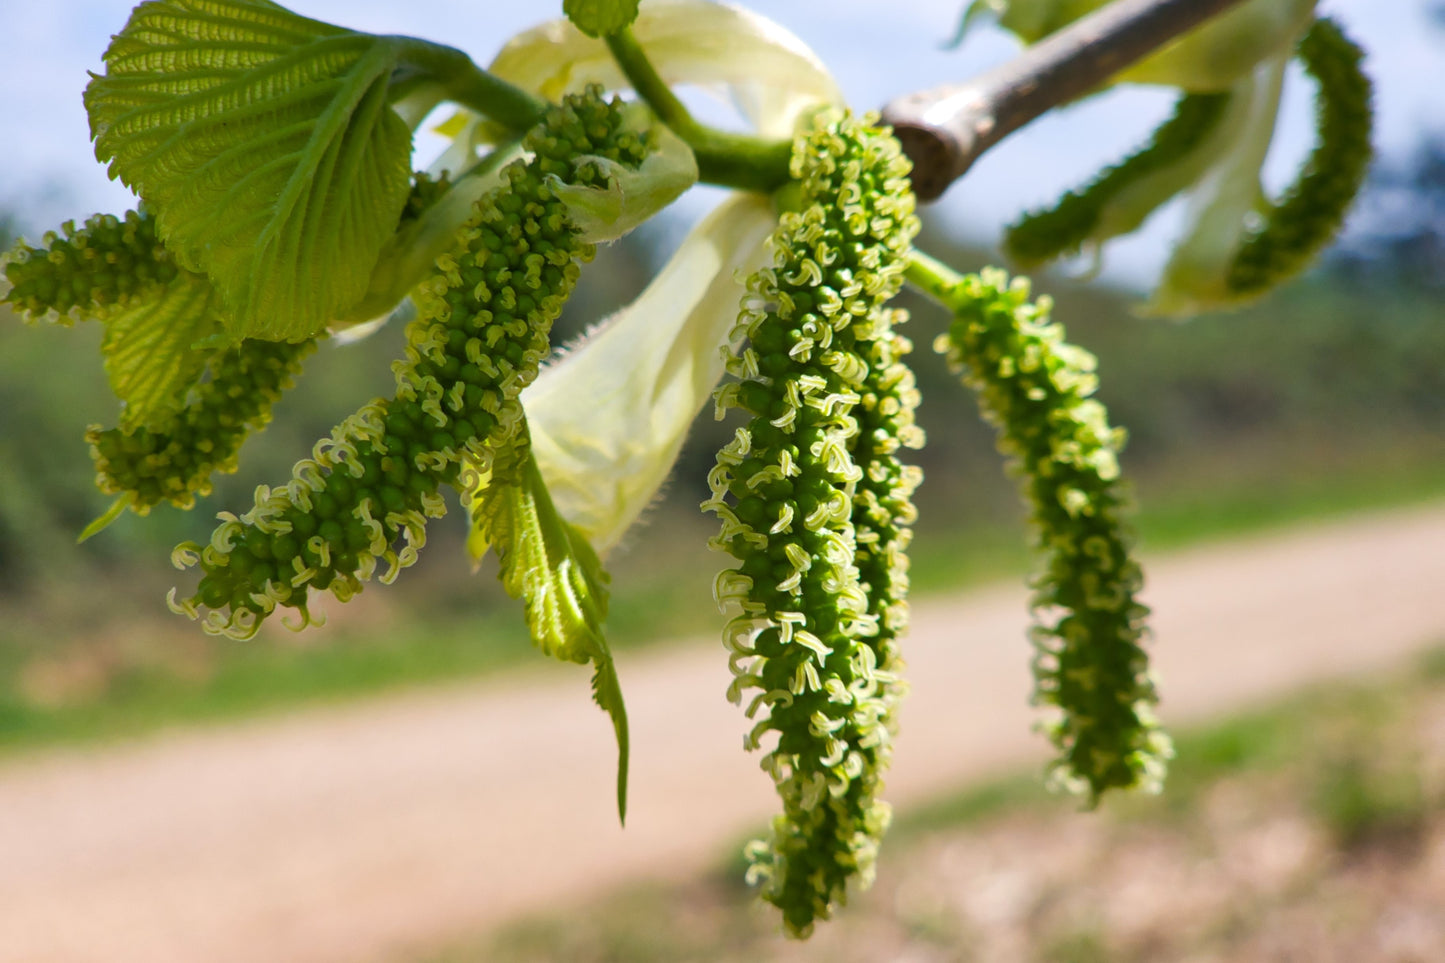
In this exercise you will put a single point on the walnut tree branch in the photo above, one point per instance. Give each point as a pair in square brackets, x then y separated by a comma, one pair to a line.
[944, 131]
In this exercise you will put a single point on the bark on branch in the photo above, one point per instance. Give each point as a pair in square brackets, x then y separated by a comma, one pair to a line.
[945, 130]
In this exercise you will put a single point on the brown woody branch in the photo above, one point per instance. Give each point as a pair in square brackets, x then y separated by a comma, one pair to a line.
[945, 130]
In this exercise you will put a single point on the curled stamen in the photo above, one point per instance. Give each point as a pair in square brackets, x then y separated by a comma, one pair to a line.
[824, 368]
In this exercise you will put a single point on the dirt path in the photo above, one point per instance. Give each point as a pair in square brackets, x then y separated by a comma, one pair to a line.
[367, 831]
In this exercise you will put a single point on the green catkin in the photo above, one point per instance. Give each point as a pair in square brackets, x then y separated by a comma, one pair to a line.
[107, 264]
[1313, 208]
[174, 462]
[814, 507]
[1036, 389]
[86, 271]
[1041, 236]
[480, 333]
[883, 510]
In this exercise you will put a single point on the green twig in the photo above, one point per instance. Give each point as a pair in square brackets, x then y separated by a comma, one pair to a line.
[931, 277]
[723, 158]
[470, 85]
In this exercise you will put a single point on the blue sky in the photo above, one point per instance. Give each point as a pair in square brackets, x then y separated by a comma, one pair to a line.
[48, 174]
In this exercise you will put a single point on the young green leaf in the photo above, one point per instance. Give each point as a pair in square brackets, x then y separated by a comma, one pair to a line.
[598, 18]
[150, 348]
[548, 564]
[265, 143]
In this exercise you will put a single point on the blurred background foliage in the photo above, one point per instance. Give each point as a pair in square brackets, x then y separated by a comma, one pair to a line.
[1326, 396]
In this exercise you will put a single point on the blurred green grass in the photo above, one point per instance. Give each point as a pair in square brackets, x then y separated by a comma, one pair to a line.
[150, 671]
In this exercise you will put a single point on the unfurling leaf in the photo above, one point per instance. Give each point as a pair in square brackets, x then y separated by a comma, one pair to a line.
[548, 564]
[150, 348]
[265, 143]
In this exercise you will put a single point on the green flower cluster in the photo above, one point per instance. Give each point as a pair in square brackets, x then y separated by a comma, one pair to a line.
[815, 508]
[173, 462]
[1311, 211]
[480, 333]
[1040, 236]
[883, 511]
[1089, 665]
[89, 269]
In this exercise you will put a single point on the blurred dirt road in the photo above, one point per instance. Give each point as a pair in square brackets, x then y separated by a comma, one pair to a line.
[374, 830]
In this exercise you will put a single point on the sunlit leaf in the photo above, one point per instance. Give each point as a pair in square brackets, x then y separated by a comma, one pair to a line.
[549, 565]
[150, 348]
[265, 144]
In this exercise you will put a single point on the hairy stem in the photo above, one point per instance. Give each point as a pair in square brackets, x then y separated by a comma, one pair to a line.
[945, 130]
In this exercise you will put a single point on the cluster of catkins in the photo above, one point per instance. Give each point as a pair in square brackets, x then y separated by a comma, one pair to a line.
[481, 331]
[105, 267]
[815, 506]
[813, 499]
